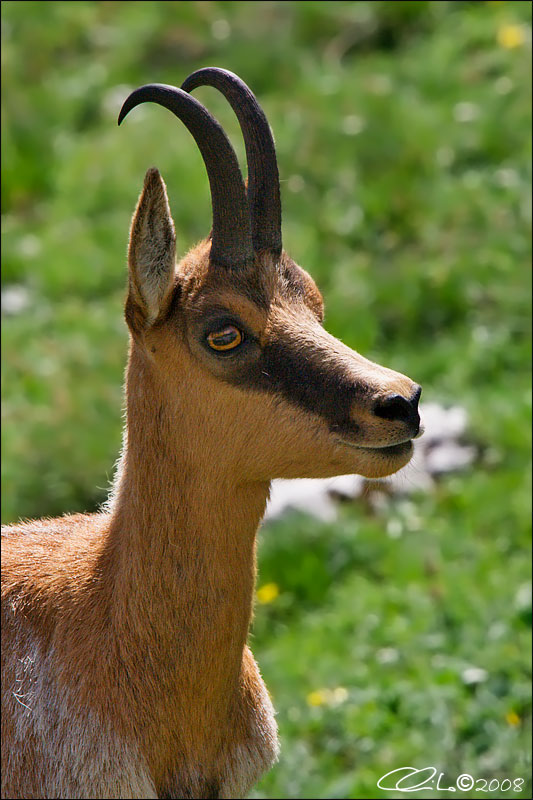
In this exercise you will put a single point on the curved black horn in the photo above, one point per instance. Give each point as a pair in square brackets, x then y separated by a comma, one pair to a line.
[231, 236]
[263, 177]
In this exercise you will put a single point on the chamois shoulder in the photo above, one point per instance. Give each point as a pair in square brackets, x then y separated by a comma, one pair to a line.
[49, 559]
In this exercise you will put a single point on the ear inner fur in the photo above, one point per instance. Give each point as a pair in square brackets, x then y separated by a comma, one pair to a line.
[152, 247]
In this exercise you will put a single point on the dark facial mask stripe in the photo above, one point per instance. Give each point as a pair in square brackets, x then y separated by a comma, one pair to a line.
[305, 382]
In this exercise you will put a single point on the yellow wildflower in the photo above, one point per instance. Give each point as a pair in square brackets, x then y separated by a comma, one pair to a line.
[267, 593]
[512, 718]
[316, 698]
[511, 36]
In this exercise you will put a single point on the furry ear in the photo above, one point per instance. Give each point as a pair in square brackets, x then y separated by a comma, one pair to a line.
[152, 249]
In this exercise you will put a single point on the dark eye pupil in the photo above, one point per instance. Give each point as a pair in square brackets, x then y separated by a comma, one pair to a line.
[225, 337]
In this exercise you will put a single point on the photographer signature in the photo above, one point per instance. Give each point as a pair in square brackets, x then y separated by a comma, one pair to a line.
[463, 783]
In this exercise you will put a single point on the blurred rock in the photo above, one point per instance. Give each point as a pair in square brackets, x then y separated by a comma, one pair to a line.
[473, 675]
[15, 299]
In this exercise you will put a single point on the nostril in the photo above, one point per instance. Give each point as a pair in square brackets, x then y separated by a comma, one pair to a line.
[399, 409]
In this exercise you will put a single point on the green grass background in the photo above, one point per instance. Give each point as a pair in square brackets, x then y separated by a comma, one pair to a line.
[403, 138]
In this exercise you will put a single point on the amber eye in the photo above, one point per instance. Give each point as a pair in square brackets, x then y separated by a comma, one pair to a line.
[225, 339]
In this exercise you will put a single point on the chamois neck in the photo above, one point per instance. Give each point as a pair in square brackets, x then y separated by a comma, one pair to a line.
[180, 527]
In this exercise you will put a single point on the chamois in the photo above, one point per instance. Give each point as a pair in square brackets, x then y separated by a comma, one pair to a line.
[126, 671]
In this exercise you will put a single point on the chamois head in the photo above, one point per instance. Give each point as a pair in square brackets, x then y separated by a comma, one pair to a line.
[228, 345]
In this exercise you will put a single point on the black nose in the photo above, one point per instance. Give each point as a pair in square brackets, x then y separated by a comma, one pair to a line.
[398, 408]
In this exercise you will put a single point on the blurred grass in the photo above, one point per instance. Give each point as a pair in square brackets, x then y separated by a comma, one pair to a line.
[403, 137]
